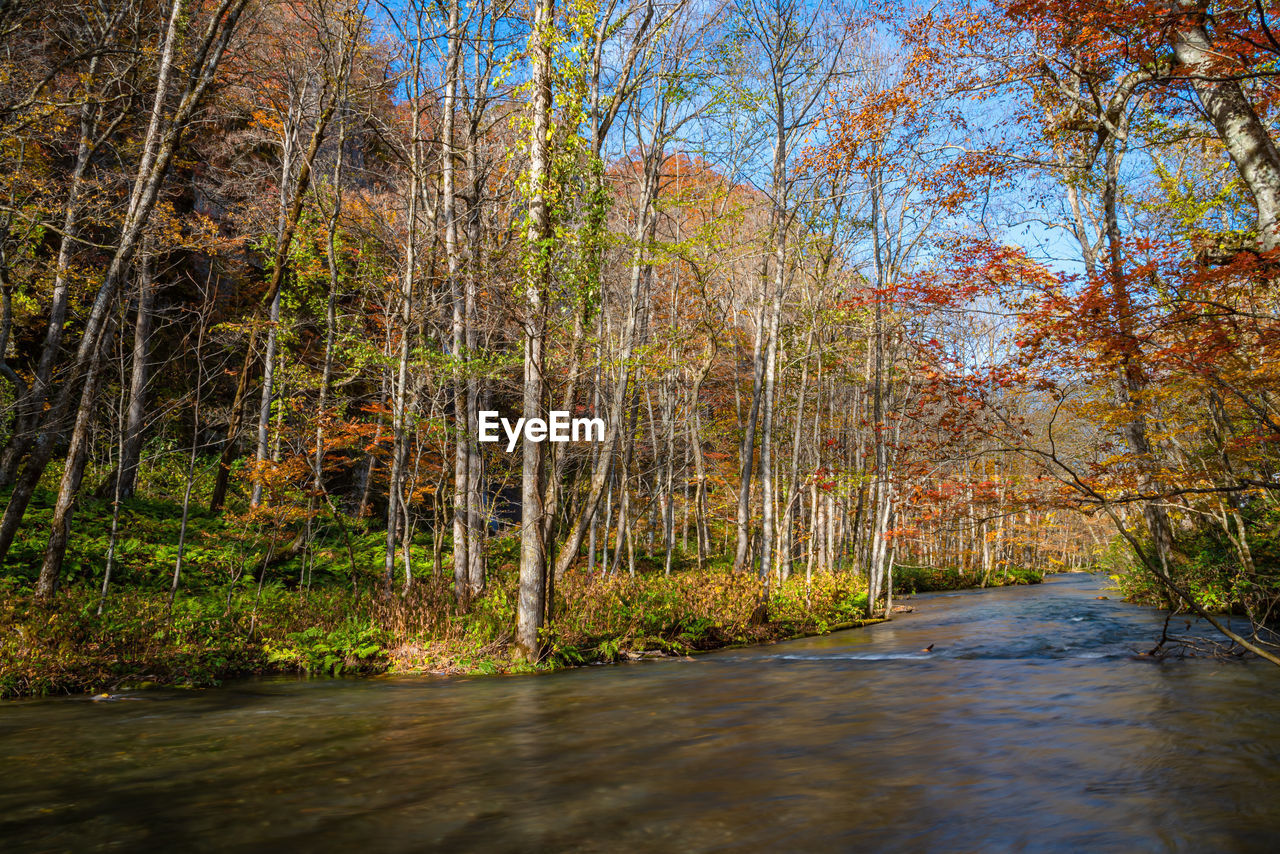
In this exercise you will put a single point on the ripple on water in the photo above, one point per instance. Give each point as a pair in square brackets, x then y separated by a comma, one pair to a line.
[1028, 729]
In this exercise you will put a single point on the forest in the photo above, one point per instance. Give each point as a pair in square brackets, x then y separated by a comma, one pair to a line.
[872, 297]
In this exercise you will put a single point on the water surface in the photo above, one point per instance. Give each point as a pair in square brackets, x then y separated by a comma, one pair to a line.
[1031, 726]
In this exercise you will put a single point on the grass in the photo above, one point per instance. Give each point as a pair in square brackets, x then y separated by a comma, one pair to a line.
[66, 647]
[241, 611]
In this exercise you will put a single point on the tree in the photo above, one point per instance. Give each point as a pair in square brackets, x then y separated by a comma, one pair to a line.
[163, 135]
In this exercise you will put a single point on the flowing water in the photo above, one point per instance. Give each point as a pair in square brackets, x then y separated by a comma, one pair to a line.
[1031, 726]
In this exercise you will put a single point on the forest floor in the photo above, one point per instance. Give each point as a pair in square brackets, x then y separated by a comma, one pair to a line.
[237, 614]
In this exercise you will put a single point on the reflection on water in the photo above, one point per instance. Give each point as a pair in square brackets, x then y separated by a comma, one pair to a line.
[1030, 726]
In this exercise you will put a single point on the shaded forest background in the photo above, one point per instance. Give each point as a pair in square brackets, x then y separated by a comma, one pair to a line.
[870, 297]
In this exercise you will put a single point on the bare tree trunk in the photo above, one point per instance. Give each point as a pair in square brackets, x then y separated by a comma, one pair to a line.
[768, 522]
[475, 460]
[457, 296]
[73, 474]
[113, 537]
[624, 485]
[786, 545]
[400, 397]
[131, 449]
[666, 404]
[699, 463]
[747, 449]
[195, 449]
[269, 360]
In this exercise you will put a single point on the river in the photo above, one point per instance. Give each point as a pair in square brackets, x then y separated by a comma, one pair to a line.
[1031, 726]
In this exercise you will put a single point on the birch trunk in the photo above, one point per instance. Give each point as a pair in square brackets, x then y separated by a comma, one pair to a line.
[531, 605]
[1242, 132]
[131, 448]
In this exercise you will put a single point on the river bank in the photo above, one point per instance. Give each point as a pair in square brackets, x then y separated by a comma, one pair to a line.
[67, 647]
[1033, 724]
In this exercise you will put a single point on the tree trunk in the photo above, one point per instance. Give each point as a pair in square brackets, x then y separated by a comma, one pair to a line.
[476, 528]
[643, 235]
[768, 522]
[747, 449]
[457, 297]
[279, 265]
[31, 407]
[264, 404]
[131, 449]
[531, 605]
[1244, 135]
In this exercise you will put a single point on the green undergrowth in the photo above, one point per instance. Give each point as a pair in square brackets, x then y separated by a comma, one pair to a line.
[925, 579]
[65, 646]
[248, 605]
[217, 546]
[1210, 566]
